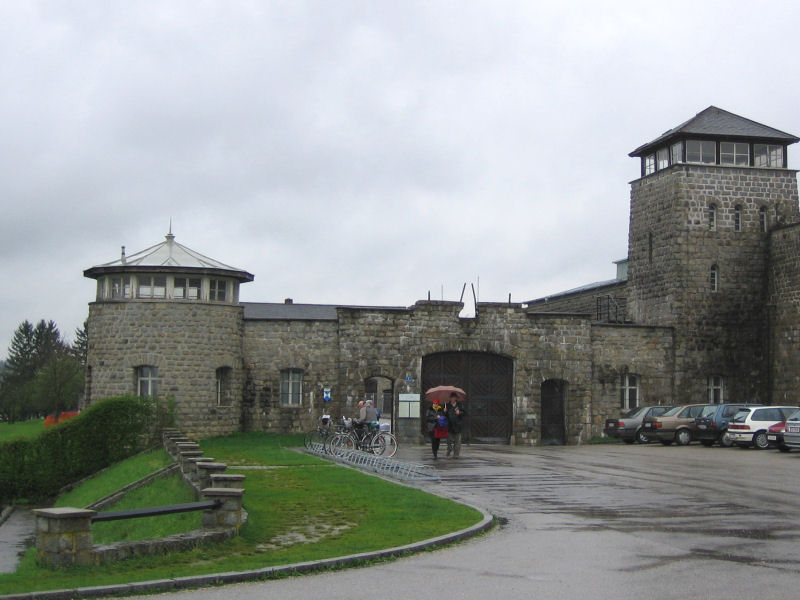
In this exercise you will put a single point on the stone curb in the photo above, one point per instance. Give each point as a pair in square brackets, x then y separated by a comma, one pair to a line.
[5, 514]
[178, 583]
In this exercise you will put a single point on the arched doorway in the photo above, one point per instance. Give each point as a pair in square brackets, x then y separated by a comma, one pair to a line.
[488, 381]
[554, 414]
[379, 391]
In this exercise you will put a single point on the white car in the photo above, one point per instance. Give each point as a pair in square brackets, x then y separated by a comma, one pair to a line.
[749, 426]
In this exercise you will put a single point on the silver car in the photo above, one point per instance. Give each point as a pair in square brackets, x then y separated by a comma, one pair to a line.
[628, 427]
[791, 436]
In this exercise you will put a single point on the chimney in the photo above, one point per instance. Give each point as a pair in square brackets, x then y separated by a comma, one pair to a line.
[288, 301]
[123, 255]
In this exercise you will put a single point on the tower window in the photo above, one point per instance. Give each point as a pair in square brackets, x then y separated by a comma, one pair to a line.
[737, 218]
[223, 386]
[649, 164]
[714, 278]
[217, 290]
[186, 288]
[701, 151]
[762, 218]
[676, 153]
[733, 153]
[712, 217]
[768, 155]
[662, 158]
[120, 287]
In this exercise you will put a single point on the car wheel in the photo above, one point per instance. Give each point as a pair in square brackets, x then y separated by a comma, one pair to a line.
[684, 436]
[641, 437]
[783, 448]
[707, 443]
[666, 442]
[760, 441]
[725, 440]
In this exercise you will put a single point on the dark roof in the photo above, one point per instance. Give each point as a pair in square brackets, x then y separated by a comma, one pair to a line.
[267, 311]
[718, 123]
[589, 287]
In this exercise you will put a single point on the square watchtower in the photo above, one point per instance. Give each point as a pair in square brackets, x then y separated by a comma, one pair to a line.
[710, 191]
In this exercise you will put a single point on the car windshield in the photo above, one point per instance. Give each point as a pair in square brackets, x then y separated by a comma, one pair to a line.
[634, 412]
[672, 411]
[741, 416]
[708, 411]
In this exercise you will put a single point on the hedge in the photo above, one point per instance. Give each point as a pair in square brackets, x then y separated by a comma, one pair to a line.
[106, 432]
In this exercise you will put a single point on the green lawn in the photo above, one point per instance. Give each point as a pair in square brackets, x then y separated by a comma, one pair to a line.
[299, 508]
[21, 429]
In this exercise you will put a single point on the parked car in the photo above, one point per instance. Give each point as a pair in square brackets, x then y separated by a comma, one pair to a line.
[675, 425]
[749, 426]
[712, 424]
[775, 436]
[628, 427]
[791, 435]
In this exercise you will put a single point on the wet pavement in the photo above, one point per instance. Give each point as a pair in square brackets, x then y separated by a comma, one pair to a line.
[604, 521]
[16, 530]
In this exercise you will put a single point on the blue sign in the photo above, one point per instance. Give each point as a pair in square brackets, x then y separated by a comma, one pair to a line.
[326, 394]
[409, 378]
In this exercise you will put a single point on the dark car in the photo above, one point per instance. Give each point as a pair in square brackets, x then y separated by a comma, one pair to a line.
[712, 424]
[628, 427]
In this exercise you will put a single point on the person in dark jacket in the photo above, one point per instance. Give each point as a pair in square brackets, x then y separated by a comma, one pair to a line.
[455, 415]
[435, 430]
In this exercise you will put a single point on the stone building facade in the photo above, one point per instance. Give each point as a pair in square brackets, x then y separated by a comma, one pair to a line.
[704, 308]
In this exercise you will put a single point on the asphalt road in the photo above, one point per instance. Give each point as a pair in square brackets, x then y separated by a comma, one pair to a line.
[601, 521]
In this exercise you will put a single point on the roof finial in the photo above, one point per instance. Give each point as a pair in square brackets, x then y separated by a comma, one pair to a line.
[169, 236]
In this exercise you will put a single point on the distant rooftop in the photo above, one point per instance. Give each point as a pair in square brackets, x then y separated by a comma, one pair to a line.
[289, 311]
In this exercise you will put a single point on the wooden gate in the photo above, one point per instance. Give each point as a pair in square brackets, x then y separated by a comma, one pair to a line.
[487, 379]
[554, 429]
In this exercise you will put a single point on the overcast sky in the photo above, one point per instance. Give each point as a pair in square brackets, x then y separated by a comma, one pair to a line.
[355, 152]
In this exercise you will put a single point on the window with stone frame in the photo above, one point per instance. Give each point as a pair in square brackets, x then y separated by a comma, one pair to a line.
[768, 155]
[291, 387]
[737, 218]
[216, 290]
[146, 380]
[224, 375]
[629, 391]
[716, 391]
[701, 151]
[734, 153]
[714, 278]
[712, 217]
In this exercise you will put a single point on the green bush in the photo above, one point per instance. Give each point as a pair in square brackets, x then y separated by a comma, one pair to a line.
[106, 432]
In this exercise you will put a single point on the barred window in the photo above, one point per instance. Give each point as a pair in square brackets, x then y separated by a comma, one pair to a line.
[291, 387]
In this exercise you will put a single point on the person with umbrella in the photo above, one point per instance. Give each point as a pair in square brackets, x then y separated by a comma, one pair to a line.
[455, 413]
[437, 425]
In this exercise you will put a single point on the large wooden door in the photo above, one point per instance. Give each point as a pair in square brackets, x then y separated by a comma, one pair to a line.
[487, 379]
[554, 429]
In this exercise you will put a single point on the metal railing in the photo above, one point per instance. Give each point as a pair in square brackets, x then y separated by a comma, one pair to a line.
[154, 511]
[389, 467]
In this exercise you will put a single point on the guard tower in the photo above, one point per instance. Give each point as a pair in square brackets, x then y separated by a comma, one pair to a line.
[710, 192]
[167, 322]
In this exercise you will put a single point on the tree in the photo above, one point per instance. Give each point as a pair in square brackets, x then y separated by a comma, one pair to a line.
[80, 348]
[58, 383]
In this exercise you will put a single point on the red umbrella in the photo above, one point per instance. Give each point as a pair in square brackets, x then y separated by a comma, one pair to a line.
[442, 392]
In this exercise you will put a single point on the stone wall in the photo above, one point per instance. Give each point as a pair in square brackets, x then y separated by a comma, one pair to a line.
[187, 341]
[784, 301]
[620, 350]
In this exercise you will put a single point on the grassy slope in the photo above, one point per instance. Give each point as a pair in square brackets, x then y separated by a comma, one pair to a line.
[22, 429]
[299, 508]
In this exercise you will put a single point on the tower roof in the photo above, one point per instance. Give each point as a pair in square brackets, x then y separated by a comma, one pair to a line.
[169, 255]
[717, 123]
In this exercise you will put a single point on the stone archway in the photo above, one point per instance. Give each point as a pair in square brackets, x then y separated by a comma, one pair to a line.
[488, 381]
[554, 413]
[380, 391]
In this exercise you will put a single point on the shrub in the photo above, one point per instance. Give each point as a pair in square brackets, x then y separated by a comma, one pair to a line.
[104, 433]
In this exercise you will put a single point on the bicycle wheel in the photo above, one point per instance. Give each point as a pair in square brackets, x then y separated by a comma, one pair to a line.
[307, 438]
[341, 443]
[317, 442]
[376, 444]
[389, 444]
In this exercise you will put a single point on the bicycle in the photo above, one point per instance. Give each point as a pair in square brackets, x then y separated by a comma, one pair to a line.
[316, 438]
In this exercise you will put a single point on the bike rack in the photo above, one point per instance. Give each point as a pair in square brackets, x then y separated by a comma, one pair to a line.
[390, 467]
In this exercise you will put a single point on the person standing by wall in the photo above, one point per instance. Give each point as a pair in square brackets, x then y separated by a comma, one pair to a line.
[455, 414]
[434, 430]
